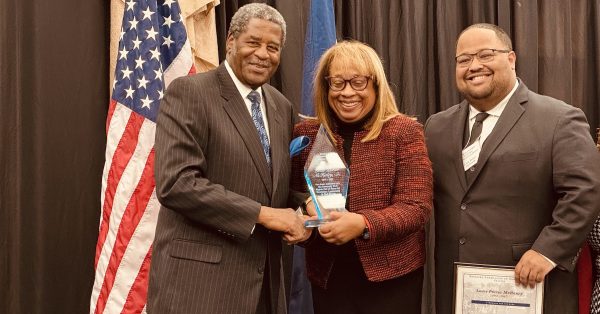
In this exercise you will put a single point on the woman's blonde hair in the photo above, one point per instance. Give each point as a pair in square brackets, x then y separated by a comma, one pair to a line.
[367, 62]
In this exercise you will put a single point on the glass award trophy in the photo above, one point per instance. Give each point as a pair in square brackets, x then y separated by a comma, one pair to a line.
[326, 176]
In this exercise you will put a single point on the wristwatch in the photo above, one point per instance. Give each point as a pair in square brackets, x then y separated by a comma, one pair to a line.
[366, 235]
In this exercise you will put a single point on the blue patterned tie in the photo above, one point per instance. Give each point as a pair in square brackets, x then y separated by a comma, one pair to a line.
[257, 117]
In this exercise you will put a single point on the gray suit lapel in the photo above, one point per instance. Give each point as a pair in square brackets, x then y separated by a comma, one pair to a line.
[507, 120]
[239, 115]
[275, 129]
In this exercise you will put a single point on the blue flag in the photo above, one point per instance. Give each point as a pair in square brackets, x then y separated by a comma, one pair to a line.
[320, 35]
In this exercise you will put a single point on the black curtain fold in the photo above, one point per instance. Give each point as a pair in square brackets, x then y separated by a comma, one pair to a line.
[54, 100]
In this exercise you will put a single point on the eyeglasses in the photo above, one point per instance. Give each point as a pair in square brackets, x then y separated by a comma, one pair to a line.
[357, 83]
[483, 55]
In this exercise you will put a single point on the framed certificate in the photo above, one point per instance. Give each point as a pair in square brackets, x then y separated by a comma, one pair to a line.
[491, 289]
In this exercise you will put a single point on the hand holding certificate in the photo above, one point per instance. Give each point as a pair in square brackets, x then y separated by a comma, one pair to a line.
[491, 289]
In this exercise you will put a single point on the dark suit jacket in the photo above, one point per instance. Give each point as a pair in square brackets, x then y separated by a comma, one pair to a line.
[537, 187]
[211, 179]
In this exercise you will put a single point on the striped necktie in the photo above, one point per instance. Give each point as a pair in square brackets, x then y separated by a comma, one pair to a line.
[475, 133]
[257, 117]
[477, 126]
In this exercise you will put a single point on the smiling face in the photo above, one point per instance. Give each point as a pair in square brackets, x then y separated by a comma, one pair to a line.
[254, 54]
[484, 85]
[348, 104]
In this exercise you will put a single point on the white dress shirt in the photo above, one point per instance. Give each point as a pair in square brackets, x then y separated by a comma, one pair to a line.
[494, 115]
[244, 90]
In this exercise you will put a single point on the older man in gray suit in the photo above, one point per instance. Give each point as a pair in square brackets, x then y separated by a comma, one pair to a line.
[517, 177]
[222, 173]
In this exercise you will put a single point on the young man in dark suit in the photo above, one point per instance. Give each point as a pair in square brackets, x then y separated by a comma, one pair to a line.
[516, 176]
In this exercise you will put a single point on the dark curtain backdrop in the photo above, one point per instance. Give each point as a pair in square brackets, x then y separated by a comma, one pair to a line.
[53, 103]
[557, 45]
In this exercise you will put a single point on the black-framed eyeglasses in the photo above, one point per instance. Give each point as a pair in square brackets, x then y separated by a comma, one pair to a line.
[483, 55]
[357, 83]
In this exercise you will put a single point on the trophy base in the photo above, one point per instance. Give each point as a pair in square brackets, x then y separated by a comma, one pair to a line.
[315, 223]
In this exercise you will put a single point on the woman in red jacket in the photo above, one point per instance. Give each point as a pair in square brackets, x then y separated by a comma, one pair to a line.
[369, 259]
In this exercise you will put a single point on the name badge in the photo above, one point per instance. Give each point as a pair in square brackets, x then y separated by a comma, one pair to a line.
[470, 155]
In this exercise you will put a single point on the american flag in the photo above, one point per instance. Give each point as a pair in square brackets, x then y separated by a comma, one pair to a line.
[153, 50]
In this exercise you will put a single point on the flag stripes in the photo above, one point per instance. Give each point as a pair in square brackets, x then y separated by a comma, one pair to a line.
[153, 51]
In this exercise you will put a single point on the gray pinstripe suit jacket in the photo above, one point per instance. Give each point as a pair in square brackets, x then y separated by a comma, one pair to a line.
[211, 179]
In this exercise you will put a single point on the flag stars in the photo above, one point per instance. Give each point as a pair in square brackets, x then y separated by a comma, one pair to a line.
[155, 54]
[167, 40]
[168, 21]
[123, 54]
[147, 14]
[129, 92]
[142, 83]
[133, 23]
[146, 102]
[136, 43]
[126, 72]
[145, 35]
[152, 33]
[130, 4]
[139, 63]
[158, 74]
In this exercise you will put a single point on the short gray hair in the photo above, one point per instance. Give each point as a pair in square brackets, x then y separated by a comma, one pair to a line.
[241, 18]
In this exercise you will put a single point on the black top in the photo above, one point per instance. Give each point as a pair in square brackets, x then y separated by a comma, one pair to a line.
[347, 268]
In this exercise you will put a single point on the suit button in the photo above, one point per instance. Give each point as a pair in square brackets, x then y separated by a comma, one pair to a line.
[463, 206]
[462, 241]
[261, 269]
[472, 169]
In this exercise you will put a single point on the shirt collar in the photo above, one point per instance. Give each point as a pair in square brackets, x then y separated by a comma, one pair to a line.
[497, 110]
[241, 87]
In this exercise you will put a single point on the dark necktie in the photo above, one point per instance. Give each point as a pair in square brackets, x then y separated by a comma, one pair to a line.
[257, 117]
[475, 133]
[477, 126]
